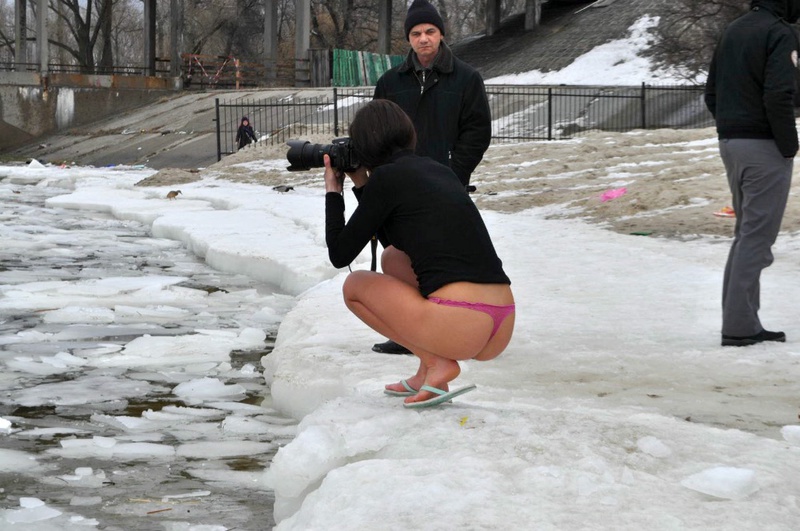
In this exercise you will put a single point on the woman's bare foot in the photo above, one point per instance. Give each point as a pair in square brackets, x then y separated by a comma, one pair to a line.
[440, 373]
[400, 388]
[415, 382]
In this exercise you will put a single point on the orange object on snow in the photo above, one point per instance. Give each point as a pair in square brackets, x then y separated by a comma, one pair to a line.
[725, 212]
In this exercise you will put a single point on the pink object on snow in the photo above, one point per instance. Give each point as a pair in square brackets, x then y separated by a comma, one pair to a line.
[608, 195]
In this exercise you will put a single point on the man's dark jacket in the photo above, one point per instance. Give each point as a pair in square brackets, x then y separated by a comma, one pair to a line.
[451, 115]
[752, 78]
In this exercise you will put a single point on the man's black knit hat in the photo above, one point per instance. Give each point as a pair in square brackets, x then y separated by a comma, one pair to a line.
[422, 12]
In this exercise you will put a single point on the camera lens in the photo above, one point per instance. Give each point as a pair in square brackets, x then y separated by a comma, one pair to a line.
[303, 155]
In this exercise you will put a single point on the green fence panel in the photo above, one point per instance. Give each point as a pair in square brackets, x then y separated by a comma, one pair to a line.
[355, 69]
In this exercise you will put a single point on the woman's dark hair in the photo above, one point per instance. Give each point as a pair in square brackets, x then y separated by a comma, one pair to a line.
[379, 130]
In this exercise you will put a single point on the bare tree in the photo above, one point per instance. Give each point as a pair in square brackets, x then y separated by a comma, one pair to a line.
[103, 33]
[690, 30]
[462, 18]
[243, 31]
[350, 24]
[127, 34]
[7, 37]
[83, 21]
[203, 19]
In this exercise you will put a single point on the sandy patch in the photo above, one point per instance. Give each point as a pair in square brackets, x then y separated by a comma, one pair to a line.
[673, 180]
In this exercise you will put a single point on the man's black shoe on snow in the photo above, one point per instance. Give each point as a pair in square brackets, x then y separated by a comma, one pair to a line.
[764, 335]
[390, 347]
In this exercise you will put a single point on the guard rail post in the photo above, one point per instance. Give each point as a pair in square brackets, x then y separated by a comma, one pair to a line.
[219, 145]
[335, 113]
[643, 106]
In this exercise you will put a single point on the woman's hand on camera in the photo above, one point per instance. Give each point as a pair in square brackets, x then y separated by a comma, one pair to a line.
[334, 180]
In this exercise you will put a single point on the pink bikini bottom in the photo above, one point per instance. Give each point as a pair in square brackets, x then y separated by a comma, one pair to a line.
[497, 313]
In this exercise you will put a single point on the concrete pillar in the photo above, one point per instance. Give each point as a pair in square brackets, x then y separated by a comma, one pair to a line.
[492, 16]
[533, 14]
[149, 37]
[42, 46]
[385, 26]
[302, 67]
[271, 40]
[20, 34]
[175, 37]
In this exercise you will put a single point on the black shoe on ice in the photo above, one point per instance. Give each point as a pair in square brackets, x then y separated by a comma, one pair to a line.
[390, 347]
[743, 341]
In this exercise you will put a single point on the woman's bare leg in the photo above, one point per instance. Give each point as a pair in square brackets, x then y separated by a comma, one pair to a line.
[397, 264]
[397, 310]
[391, 304]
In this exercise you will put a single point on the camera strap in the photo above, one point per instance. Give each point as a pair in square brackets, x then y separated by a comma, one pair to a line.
[373, 243]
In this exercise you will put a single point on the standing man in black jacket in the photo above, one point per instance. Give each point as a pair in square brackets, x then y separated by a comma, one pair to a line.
[443, 95]
[750, 91]
[447, 102]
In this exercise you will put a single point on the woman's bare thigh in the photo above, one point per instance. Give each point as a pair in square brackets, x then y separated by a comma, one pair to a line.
[453, 333]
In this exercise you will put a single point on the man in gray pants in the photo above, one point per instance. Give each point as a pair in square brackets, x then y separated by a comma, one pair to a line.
[750, 92]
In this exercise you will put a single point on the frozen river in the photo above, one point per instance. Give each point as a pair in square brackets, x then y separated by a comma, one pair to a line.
[100, 425]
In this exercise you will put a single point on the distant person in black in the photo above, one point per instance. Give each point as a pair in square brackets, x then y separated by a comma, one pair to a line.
[750, 91]
[245, 133]
[446, 100]
[445, 295]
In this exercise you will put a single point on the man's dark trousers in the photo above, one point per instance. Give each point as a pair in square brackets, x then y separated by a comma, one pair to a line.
[759, 178]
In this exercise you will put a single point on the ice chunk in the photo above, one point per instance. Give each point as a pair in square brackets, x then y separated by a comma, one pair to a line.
[653, 446]
[79, 314]
[791, 434]
[30, 503]
[85, 500]
[85, 477]
[31, 510]
[149, 314]
[203, 388]
[195, 494]
[222, 449]
[723, 482]
[16, 461]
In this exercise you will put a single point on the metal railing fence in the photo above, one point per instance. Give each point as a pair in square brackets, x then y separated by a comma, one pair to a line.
[197, 71]
[162, 68]
[519, 112]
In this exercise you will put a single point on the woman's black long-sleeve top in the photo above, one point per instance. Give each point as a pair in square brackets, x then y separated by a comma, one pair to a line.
[421, 208]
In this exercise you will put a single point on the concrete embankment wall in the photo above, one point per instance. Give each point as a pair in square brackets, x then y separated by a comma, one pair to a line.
[32, 105]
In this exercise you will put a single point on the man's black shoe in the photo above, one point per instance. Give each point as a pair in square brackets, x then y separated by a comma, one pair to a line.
[764, 335]
[390, 347]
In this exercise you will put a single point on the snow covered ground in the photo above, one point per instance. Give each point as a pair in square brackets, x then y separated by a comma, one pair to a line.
[613, 408]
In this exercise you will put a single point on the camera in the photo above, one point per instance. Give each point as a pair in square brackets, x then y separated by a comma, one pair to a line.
[303, 155]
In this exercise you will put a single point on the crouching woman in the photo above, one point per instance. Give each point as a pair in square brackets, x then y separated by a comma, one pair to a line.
[443, 292]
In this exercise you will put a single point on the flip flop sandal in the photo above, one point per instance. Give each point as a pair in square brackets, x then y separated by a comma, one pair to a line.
[410, 391]
[443, 396]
